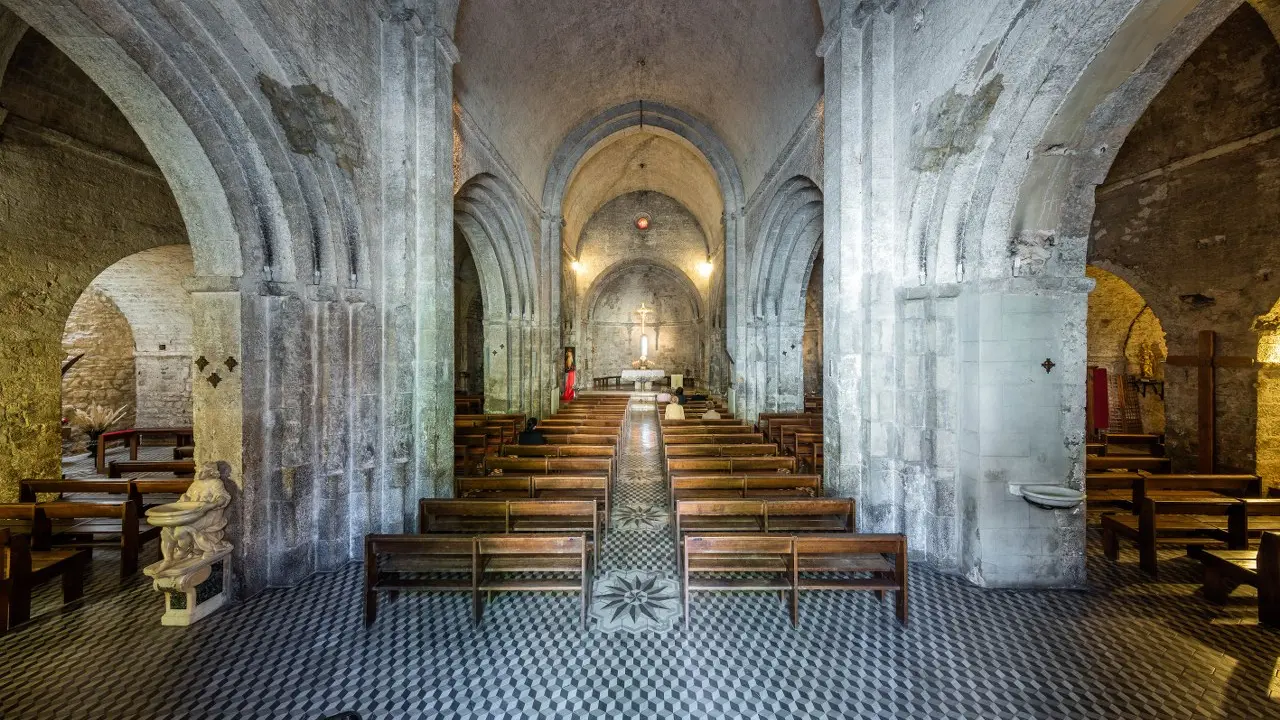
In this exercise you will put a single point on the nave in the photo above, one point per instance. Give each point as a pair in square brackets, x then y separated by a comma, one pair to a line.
[1128, 646]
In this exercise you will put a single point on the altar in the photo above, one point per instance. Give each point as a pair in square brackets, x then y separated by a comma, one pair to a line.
[643, 378]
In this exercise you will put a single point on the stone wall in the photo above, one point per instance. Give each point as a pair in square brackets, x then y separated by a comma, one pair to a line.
[676, 333]
[1188, 216]
[104, 375]
[79, 193]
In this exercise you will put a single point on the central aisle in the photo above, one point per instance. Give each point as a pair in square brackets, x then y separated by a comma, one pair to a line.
[636, 587]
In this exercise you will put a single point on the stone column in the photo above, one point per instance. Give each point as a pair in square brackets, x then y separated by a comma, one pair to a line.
[416, 296]
[790, 361]
[845, 231]
[1022, 358]
[497, 380]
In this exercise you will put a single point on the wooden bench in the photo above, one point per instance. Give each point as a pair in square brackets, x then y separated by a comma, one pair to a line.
[108, 491]
[120, 468]
[700, 439]
[521, 563]
[763, 516]
[786, 564]
[549, 466]
[846, 554]
[397, 563]
[1192, 522]
[1194, 484]
[22, 569]
[1110, 489]
[712, 487]
[545, 487]
[1225, 570]
[704, 466]
[1096, 463]
[133, 437]
[1141, 443]
[570, 438]
[455, 516]
[730, 450]
[101, 525]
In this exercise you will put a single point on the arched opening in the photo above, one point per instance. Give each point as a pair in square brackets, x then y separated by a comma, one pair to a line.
[91, 228]
[131, 332]
[1125, 358]
[813, 333]
[468, 326]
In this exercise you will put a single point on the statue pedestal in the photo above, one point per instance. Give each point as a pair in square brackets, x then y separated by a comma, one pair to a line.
[193, 589]
[643, 378]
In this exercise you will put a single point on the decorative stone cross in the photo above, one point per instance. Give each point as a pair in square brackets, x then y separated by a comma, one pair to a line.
[1207, 361]
[644, 312]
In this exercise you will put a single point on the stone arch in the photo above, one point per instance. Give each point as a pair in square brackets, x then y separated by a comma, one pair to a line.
[781, 264]
[619, 272]
[487, 215]
[593, 132]
[1126, 337]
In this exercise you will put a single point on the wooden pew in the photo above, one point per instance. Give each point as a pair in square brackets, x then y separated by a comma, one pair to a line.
[754, 563]
[108, 491]
[1224, 570]
[22, 569]
[505, 563]
[549, 466]
[763, 516]
[575, 438]
[708, 439]
[453, 516]
[133, 438]
[1184, 486]
[1134, 443]
[699, 422]
[710, 428]
[850, 553]
[712, 487]
[107, 525]
[704, 466]
[715, 450]
[565, 451]
[785, 564]
[787, 430]
[802, 446]
[119, 468]
[397, 563]
[1133, 463]
[1193, 522]
[1111, 490]
[545, 487]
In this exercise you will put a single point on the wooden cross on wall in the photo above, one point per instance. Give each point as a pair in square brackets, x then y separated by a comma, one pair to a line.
[1207, 361]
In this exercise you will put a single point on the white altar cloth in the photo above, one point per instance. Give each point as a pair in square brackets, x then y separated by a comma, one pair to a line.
[643, 378]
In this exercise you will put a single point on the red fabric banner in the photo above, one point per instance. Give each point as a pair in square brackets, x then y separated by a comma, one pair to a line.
[569, 392]
[1101, 400]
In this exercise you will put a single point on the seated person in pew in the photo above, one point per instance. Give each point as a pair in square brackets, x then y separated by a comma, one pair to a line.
[674, 412]
[711, 415]
[679, 397]
[531, 435]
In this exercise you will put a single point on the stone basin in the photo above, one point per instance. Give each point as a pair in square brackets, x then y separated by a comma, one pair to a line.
[1054, 497]
[178, 513]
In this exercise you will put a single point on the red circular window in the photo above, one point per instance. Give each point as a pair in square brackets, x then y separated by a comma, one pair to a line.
[642, 222]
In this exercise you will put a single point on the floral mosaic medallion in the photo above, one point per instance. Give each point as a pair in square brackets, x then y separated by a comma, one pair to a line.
[640, 516]
[643, 476]
[635, 602]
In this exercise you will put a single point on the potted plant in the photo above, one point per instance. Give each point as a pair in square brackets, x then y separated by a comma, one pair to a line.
[97, 419]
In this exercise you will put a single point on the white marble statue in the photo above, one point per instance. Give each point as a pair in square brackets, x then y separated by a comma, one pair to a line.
[202, 530]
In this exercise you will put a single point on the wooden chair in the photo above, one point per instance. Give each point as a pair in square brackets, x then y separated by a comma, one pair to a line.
[520, 563]
[1224, 570]
[396, 563]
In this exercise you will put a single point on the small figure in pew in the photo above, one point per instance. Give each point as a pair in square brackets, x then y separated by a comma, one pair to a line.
[531, 435]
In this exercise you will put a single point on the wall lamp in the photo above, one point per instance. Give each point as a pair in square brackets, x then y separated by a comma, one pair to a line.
[705, 268]
[577, 266]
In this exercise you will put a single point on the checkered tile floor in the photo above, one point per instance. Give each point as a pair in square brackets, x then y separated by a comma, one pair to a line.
[1124, 648]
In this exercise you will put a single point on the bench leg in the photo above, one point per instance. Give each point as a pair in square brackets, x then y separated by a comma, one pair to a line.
[1216, 588]
[477, 608]
[73, 582]
[370, 607]
[1110, 543]
[1147, 558]
[19, 609]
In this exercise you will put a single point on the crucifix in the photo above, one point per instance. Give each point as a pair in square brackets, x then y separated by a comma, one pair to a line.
[644, 311]
[1207, 361]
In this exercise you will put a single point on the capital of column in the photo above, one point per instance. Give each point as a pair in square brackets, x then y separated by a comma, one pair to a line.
[853, 14]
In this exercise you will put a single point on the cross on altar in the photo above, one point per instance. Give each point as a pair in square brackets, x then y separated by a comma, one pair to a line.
[643, 311]
[1207, 361]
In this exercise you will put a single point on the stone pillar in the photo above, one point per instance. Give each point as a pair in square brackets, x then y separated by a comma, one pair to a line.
[497, 380]
[416, 296]
[1022, 364]
[790, 363]
[845, 231]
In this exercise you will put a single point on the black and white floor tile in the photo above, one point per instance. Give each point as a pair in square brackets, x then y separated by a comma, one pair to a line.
[1124, 648]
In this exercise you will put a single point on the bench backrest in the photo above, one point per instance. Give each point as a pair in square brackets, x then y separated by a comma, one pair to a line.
[714, 450]
[730, 465]
[737, 545]
[1234, 510]
[464, 486]
[850, 544]
[556, 438]
[703, 439]
[532, 545]
[376, 545]
[483, 515]
[29, 488]
[816, 507]
[606, 451]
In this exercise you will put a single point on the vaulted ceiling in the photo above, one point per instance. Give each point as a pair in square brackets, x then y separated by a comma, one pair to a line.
[530, 72]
